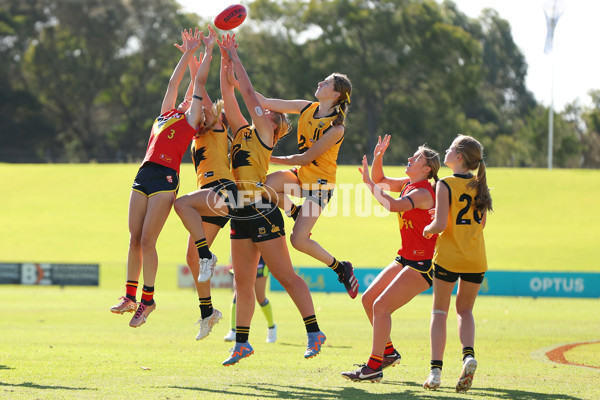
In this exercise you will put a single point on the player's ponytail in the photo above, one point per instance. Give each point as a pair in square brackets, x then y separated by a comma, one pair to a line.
[472, 153]
[283, 125]
[343, 86]
[433, 162]
[213, 118]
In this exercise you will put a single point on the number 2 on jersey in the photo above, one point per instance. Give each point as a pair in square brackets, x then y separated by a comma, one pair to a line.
[460, 218]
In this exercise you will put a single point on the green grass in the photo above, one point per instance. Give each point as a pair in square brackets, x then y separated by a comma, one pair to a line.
[543, 220]
[64, 344]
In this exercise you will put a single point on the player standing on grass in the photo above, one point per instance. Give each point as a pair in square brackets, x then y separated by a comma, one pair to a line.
[463, 201]
[411, 272]
[258, 226]
[321, 129]
[157, 181]
[207, 210]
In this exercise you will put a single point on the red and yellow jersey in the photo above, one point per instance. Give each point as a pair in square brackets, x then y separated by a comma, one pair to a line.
[320, 173]
[460, 247]
[250, 159]
[415, 247]
[169, 139]
[210, 153]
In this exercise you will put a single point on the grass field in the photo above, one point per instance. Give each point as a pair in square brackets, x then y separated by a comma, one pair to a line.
[64, 344]
[543, 220]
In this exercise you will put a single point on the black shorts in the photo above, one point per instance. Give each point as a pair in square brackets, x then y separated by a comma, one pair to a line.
[257, 223]
[425, 267]
[319, 196]
[154, 178]
[448, 276]
[227, 190]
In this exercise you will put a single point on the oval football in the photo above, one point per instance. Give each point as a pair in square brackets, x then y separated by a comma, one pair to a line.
[231, 17]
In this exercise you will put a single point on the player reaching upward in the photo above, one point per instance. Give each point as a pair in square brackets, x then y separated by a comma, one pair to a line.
[157, 181]
[410, 273]
[205, 211]
[321, 129]
[258, 227]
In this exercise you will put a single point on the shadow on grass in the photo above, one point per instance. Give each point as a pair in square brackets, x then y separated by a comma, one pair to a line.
[304, 345]
[5, 367]
[400, 390]
[496, 393]
[32, 385]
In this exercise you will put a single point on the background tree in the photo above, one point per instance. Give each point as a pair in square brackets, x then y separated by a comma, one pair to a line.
[83, 80]
[25, 134]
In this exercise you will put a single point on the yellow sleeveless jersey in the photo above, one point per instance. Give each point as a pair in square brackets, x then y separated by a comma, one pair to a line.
[320, 173]
[250, 159]
[460, 247]
[210, 153]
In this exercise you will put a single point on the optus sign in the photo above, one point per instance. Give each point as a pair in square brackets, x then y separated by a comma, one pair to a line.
[496, 283]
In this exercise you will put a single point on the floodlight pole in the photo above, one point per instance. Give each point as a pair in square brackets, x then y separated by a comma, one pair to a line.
[553, 9]
[551, 114]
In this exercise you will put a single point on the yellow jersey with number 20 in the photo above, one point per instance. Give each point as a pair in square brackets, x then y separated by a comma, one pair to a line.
[460, 247]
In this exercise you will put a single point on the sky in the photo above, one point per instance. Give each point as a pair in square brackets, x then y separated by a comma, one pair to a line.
[568, 74]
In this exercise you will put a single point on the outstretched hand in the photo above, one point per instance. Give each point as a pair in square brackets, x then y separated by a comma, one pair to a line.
[381, 146]
[231, 75]
[209, 41]
[228, 44]
[365, 170]
[191, 40]
[194, 64]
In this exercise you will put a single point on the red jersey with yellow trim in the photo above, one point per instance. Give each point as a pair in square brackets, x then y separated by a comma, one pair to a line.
[210, 153]
[415, 246]
[250, 159]
[169, 139]
[320, 173]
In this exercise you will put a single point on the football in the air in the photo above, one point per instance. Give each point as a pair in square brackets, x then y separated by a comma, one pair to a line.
[231, 17]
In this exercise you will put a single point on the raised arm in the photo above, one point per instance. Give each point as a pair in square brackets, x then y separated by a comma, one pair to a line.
[195, 115]
[193, 65]
[419, 198]
[261, 120]
[235, 118]
[191, 41]
[324, 143]
[379, 178]
[206, 100]
[282, 106]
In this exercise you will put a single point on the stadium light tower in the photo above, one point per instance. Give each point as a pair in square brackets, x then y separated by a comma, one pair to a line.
[553, 10]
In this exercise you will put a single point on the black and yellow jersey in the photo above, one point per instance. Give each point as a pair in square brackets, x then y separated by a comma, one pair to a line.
[460, 247]
[320, 173]
[210, 153]
[250, 159]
